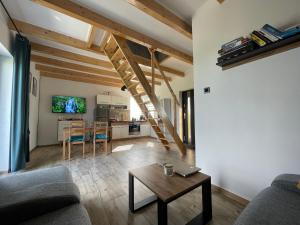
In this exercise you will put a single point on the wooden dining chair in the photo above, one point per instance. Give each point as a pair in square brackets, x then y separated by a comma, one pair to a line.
[100, 134]
[76, 135]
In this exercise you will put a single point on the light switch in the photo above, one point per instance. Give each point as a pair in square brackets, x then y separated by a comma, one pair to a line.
[206, 90]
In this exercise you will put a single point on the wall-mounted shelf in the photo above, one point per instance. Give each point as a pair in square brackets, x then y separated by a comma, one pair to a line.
[262, 52]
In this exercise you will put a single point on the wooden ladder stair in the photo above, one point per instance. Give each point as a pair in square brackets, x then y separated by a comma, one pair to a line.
[122, 59]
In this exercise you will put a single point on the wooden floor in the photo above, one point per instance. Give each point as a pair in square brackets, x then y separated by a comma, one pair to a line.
[103, 183]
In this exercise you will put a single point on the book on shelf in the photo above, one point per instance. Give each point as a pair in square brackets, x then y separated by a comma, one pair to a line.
[258, 40]
[242, 50]
[232, 43]
[291, 31]
[281, 34]
[268, 35]
[237, 46]
[262, 37]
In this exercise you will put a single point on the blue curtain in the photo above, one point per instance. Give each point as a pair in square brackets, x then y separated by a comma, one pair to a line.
[19, 131]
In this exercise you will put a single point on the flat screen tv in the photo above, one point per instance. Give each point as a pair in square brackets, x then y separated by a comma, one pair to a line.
[68, 104]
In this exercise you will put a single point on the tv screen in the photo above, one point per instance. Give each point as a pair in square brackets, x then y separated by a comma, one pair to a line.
[68, 104]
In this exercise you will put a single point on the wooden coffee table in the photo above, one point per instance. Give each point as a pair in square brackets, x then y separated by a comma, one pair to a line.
[167, 189]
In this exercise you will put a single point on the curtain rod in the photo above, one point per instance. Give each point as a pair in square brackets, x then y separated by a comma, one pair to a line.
[12, 21]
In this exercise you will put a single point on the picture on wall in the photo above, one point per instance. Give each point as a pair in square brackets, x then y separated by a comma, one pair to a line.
[34, 86]
[68, 104]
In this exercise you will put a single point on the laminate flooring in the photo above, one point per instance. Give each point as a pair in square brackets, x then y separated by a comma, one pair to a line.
[103, 183]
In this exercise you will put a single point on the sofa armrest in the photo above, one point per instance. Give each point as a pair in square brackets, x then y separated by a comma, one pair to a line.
[288, 182]
[35, 201]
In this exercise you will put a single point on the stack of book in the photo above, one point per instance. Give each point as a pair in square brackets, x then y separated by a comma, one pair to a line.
[235, 48]
[269, 34]
[266, 35]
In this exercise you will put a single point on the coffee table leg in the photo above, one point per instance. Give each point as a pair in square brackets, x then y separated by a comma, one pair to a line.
[131, 192]
[162, 212]
[206, 201]
[206, 215]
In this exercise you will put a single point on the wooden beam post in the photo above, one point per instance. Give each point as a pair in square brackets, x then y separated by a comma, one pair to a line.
[152, 70]
[166, 80]
[175, 114]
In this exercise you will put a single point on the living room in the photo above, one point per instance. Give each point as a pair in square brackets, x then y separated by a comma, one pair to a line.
[234, 62]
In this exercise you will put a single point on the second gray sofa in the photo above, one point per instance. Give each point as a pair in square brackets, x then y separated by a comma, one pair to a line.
[45, 196]
[278, 204]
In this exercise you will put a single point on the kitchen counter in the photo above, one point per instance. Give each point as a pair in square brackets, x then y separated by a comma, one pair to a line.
[115, 123]
[120, 129]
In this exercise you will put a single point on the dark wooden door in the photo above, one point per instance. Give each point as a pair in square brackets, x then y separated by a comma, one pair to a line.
[188, 118]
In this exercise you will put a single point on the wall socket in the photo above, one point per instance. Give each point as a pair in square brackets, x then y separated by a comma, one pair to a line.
[206, 90]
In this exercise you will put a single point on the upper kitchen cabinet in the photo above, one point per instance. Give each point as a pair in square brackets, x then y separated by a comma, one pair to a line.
[112, 100]
[103, 99]
[118, 100]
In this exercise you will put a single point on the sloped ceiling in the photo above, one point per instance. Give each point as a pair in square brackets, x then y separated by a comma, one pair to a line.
[118, 10]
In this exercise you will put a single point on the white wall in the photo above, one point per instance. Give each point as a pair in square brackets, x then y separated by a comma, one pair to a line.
[47, 126]
[6, 72]
[248, 127]
[34, 108]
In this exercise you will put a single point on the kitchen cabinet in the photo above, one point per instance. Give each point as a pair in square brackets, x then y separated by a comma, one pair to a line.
[112, 100]
[118, 100]
[120, 132]
[145, 130]
[103, 99]
[115, 132]
[124, 131]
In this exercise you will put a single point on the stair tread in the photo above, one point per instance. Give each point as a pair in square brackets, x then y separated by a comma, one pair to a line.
[132, 85]
[116, 54]
[122, 65]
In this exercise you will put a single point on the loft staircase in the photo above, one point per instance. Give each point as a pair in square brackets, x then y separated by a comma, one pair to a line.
[122, 59]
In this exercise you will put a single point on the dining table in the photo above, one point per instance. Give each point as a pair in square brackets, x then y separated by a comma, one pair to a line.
[90, 130]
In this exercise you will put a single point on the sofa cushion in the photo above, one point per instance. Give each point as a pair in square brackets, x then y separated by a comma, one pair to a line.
[20, 181]
[76, 138]
[22, 205]
[273, 206]
[289, 182]
[101, 136]
[71, 215]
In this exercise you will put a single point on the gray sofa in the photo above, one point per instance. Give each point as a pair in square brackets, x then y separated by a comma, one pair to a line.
[278, 204]
[41, 197]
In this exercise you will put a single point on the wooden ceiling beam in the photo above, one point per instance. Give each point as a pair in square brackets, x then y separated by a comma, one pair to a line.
[56, 70]
[91, 36]
[77, 67]
[81, 13]
[81, 58]
[72, 66]
[77, 79]
[162, 14]
[60, 38]
[75, 73]
[40, 32]
[69, 55]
